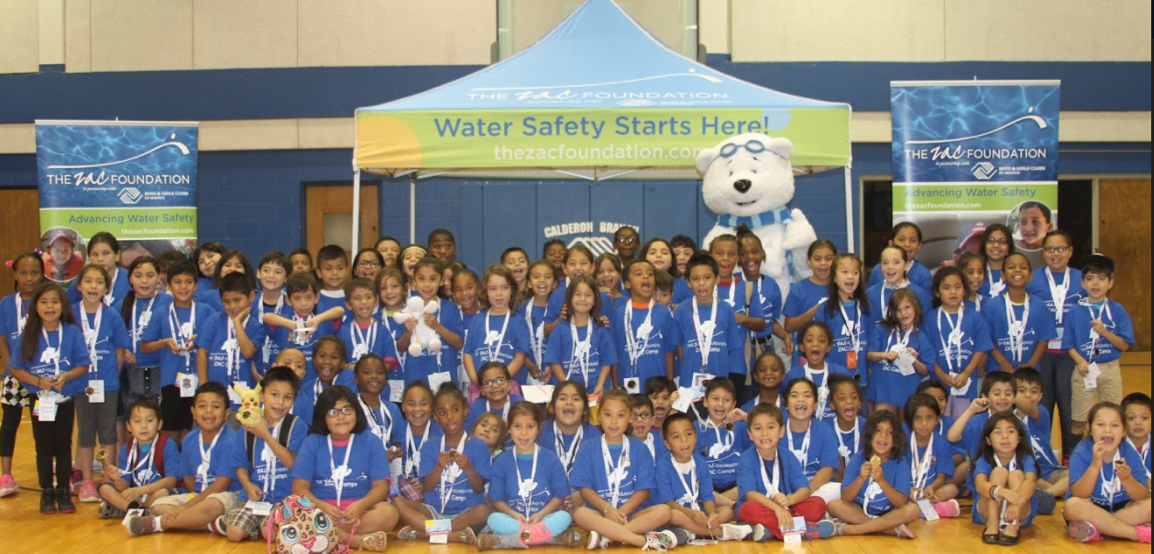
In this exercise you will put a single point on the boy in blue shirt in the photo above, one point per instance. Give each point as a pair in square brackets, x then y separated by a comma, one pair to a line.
[706, 333]
[684, 484]
[304, 327]
[205, 468]
[364, 335]
[333, 273]
[274, 268]
[642, 329]
[1052, 477]
[227, 346]
[149, 468]
[1098, 331]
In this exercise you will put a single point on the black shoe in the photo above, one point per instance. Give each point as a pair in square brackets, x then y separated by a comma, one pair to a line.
[64, 501]
[48, 501]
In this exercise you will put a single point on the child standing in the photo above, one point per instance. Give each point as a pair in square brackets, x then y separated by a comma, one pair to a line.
[302, 260]
[763, 291]
[960, 343]
[769, 372]
[660, 253]
[516, 260]
[367, 264]
[973, 269]
[848, 315]
[625, 242]
[499, 336]
[997, 245]
[685, 485]
[329, 361]
[446, 323]
[390, 249]
[894, 263]
[364, 335]
[332, 273]
[495, 387]
[706, 333]
[104, 251]
[816, 342]
[535, 309]
[608, 276]
[1005, 475]
[142, 303]
[877, 499]
[642, 331]
[271, 273]
[226, 347]
[393, 293]
[384, 418]
[581, 348]
[801, 304]
[554, 251]
[845, 399]
[304, 327]
[568, 424]
[207, 257]
[908, 354]
[749, 316]
[419, 428]
[907, 236]
[1020, 325]
[51, 362]
[149, 463]
[28, 273]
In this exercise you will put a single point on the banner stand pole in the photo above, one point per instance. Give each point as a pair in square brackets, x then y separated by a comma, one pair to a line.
[413, 208]
[849, 229]
[356, 210]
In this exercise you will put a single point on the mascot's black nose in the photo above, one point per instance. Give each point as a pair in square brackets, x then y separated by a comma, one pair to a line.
[742, 185]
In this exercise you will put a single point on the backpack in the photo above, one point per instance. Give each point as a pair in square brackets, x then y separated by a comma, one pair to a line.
[286, 431]
[158, 458]
[297, 525]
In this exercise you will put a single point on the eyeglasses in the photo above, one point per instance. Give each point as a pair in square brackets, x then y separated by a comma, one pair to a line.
[642, 416]
[998, 242]
[368, 263]
[626, 240]
[1056, 249]
[346, 410]
[494, 382]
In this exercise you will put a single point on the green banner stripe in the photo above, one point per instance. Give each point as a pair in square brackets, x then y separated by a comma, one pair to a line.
[140, 223]
[999, 197]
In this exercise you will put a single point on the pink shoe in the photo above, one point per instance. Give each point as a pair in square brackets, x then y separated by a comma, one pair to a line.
[535, 534]
[1143, 533]
[1084, 531]
[88, 492]
[7, 485]
[948, 508]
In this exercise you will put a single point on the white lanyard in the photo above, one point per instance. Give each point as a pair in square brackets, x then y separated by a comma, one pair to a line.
[1144, 453]
[732, 290]
[1010, 466]
[634, 349]
[339, 473]
[895, 287]
[536, 332]
[504, 411]
[1018, 329]
[721, 446]
[206, 456]
[852, 329]
[269, 457]
[362, 341]
[1094, 336]
[822, 388]
[381, 425]
[233, 353]
[525, 490]
[581, 350]
[842, 449]
[954, 339]
[134, 454]
[385, 320]
[90, 338]
[615, 474]
[279, 305]
[903, 339]
[1114, 485]
[446, 493]
[413, 465]
[996, 287]
[21, 315]
[493, 343]
[49, 351]
[140, 321]
[567, 455]
[921, 470]
[182, 332]
[1058, 293]
[771, 488]
[108, 298]
[692, 487]
[704, 333]
[802, 453]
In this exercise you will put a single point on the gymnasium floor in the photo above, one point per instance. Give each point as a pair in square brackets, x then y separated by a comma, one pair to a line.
[24, 530]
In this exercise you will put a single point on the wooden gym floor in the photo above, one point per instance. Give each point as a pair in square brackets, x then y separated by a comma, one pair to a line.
[24, 530]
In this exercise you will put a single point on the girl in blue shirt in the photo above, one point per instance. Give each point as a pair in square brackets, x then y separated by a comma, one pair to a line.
[528, 490]
[535, 310]
[580, 348]
[811, 441]
[568, 427]
[497, 334]
[849, 317]
[907, 236]
[931, 457]
[207, 257]
[1005, 476]
[104, 251]
[454, 471]
[50, 362]
[28, 273]
[960, 340]
[720, 441]
[997, 245]
[496, 396]
[660, 253]
[877, 497]
[750, 318]
[384, 418]
[816, 342]
[803, 298]
[973, 269]
[766, 293]
[893, 264]
[1020, 325]
[615, 477]
[446, 323]
[1109, 492]
[901, 355]
[108, 344]
[143, 307]
[353, 492]
[418, 430]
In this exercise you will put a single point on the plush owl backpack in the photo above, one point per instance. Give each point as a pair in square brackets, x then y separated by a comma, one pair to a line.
[297, 526]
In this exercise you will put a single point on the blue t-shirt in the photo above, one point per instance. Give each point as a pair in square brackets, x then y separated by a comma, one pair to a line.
[897, 473]
[1039, 328]
[286, 338]
[219, 453]
[10, 325]
[889, 385]
[214, 337]
[557, 300]
[673, 485]
[258, 470]
[486, 342]
[145, 468]
[734, 295]
[428, 363]
[109, 337]
[168, 327]
[879, 297]
[632, 474]
[725, 352]
[564, 448]
[65, 344]
[721, 450]
[821, 452]
[974, 337]
[984, 467]
[481, 405]
[561, 350]
[1039, 287]
[767, 294]
[147, 314]
[207, 295]
[386, 422]
[803, 295]
[1142, 452]
[1039, 432]
[413, 443]
[307, 396]
[848, 442]
[650, 347]
[681, 292]
[823, 411]
[972, 438]
[535, 319]
[329, 299]
[1083, 457]
[859, 325]
[395, 331]
[367, 464]
[360, 341]
[918, 275]
[546, 482]
[993, 282]
[940, 462]
[1078, 330]
[750, 477]
[269, 348]
[120, 288]
[454, 494]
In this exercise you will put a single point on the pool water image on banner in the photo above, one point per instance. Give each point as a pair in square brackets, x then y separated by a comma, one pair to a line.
[968, 154]
[134, 179]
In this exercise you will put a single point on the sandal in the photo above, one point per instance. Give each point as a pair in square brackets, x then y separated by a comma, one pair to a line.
[990, 538]
[467, 536]
[407, 533]
[374, 542]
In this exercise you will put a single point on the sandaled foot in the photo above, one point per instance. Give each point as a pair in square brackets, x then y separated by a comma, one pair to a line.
[466, 536]
[373, 542]
[903, 531]
[407, 533]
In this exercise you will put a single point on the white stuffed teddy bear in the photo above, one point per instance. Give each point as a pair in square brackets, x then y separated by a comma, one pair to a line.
[424, 337]
[748, 179]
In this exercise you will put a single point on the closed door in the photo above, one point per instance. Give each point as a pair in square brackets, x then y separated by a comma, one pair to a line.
[329, 216]
[19, 227]
[1124, 236]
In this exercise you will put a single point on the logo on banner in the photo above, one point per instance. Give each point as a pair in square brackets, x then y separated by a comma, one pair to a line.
[130, 195]
[610, 90]
[984, 170]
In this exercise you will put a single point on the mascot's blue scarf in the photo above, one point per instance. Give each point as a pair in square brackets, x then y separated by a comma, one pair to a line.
[779, 215]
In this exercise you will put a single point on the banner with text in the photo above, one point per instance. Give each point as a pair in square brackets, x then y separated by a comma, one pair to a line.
[969, 154]
[133, 179]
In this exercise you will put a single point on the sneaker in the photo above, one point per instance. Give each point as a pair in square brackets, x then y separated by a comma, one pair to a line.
[949, 508]
[75, 479]
[1143, 533]
[108, 511]
[7, 485]
[573, 537]
[1083, 531]
[88, 492]
[64, 501]
[761, 533]
[735, 532]
[488, 541]
[141, 525]
[467, 536]
[680, 535]
[823, 529]
[660, 541]
[596, 541]
[48, 501]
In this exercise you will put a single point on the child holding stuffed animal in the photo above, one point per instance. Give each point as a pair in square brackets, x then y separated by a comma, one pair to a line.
[227, 346]
[432, 334]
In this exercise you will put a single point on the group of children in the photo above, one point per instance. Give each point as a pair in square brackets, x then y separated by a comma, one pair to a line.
[893, 398]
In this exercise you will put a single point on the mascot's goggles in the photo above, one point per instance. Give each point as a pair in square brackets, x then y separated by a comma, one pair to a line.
[753, 147]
